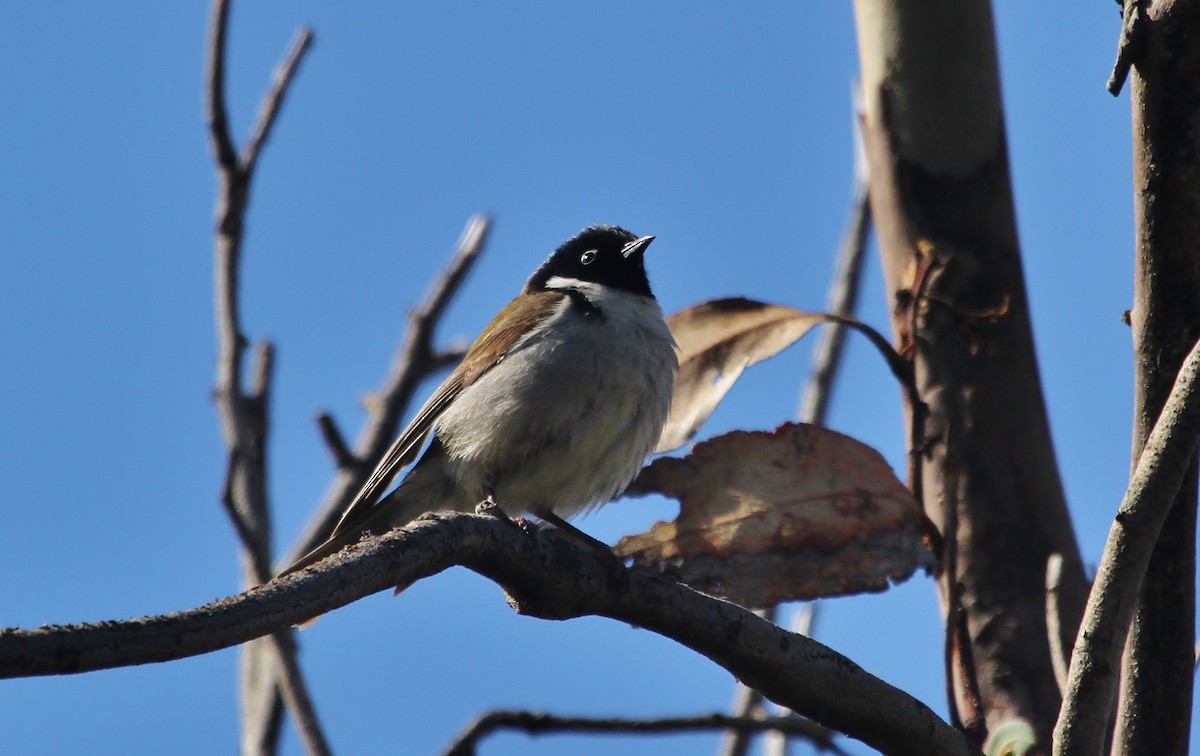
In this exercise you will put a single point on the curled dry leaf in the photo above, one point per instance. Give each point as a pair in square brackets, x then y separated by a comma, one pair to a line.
[717, 340]
[798, 513]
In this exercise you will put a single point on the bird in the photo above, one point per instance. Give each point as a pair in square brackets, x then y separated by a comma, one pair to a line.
[553, 409]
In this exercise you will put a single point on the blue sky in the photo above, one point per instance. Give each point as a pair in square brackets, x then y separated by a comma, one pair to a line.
[723, 130]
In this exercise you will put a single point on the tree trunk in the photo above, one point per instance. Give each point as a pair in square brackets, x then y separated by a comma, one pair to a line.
[941, 197]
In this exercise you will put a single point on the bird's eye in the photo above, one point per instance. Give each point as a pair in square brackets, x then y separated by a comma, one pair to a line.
[587, 258]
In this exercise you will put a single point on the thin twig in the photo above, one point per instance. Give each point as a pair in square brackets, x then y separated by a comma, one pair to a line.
[843, 300]
[804, 620]
[272, 102]
[1095, 661]
[534, 723]
[1060, 657]
[245, 416]
[448, 357]
[336, 442]
[747, 703]
[827, 358]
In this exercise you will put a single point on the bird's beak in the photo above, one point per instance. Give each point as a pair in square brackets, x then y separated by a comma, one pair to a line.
[637, 246]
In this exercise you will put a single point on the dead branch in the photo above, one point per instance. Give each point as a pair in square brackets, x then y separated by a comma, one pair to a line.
[544, 575]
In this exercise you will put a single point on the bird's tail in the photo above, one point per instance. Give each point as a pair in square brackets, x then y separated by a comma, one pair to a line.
[339, 540]
[413, 498]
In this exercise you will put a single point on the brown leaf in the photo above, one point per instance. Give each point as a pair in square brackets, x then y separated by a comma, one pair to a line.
[717, 341]
[799, 513]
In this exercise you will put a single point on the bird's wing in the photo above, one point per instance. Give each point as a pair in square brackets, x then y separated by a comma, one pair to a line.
[497, 340]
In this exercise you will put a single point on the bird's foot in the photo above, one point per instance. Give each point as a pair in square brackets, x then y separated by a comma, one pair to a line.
[490, 506]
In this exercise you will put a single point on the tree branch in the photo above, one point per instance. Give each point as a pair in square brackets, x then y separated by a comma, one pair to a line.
[1060, 656]
[533, 723]
[1083, 724]
[843, 300]
[245, 416]
[544, 575]
[272, 102]
[1129, 46]
[218, 119]
[342, 456]
[415, 360]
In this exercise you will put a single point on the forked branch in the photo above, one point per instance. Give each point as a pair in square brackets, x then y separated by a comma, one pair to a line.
[245, 415]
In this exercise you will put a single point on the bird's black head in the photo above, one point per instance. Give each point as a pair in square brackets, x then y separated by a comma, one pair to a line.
[605, 255]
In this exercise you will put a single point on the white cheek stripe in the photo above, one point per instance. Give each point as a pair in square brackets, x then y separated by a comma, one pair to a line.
[565, 282]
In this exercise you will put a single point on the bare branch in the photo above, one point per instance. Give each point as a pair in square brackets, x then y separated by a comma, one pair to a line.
[1087, 705]
[470, 244]
[272, 102]
[1060, 657]
[218, 119]
[342, 456]
[534, 723]
[448, 357]
[804, 618]
[245, 417]
[544, 575]
[294, 691]
[747, 703]
[264, 370]
[843, 300]
[415, 360]
[827, 358]
[843, 290]
[258, 561]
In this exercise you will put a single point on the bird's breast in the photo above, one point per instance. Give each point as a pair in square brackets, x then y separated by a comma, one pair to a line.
[566, 419]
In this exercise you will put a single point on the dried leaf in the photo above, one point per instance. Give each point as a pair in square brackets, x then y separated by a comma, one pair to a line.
[800, 513]
[717, 341]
